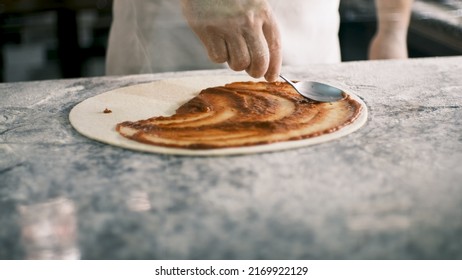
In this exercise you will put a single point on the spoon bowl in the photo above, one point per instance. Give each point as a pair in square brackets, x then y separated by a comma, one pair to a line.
[316, 91]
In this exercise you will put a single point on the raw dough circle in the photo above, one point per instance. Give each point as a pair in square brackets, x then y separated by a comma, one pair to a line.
[162, 98]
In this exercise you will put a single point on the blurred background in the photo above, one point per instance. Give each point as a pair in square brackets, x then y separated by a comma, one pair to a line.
[42, 39]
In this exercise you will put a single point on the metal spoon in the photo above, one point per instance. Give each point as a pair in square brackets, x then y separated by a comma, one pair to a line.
[316, 91]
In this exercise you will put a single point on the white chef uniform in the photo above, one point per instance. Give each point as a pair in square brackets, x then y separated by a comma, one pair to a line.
[150, 36]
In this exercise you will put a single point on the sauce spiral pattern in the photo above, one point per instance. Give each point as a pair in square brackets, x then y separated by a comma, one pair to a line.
[243, 114]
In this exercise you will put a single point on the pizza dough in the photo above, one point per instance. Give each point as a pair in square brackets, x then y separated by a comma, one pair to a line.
[98, 116]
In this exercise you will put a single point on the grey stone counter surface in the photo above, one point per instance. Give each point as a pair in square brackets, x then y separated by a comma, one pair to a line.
[391, 190]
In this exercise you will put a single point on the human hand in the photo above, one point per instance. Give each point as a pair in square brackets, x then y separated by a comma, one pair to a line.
[242, 33]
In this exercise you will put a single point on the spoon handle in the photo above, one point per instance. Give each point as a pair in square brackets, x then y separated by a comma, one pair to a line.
[288, 81]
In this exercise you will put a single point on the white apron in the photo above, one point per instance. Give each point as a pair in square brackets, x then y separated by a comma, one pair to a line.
[150, 36]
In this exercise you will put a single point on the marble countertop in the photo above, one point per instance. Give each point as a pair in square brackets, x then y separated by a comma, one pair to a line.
[392, 190]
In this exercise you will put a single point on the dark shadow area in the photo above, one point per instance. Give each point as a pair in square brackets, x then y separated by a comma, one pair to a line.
[53, 39]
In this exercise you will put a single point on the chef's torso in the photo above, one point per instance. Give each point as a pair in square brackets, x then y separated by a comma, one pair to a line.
[152, 36]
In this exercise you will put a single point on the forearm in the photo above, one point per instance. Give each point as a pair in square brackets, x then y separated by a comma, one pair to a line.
[390, 40]
[393, 15]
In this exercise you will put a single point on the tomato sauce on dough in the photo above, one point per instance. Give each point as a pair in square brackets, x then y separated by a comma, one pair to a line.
[243, 114]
